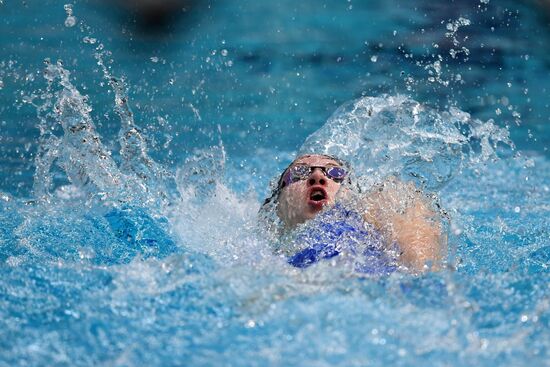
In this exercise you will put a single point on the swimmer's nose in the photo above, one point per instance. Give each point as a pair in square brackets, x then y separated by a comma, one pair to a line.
[317, 177]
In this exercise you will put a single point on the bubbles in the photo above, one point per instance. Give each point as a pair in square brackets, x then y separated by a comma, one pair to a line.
[453, 28]
[435, 69]
[89, 40]
[70, 21]
[374, 58]
[437, 64]
[455, 25]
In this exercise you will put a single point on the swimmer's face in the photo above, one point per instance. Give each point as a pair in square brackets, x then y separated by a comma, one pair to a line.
[301, 200]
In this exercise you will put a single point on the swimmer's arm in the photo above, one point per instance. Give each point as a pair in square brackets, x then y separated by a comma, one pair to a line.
[405, 216]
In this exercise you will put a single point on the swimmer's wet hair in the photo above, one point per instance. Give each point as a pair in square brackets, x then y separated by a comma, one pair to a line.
[275, 193]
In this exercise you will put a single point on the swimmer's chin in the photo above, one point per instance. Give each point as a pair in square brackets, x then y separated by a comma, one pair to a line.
[308, 213]
[314, 208]
[305, 217]
[316, 205]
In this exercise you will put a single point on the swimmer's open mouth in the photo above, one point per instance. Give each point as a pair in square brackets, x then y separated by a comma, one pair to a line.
[317, 195]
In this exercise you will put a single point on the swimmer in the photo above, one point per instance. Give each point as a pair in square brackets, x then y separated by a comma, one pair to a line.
[393, 218]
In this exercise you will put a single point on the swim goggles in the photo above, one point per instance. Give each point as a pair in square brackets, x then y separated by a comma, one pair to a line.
[303, 171]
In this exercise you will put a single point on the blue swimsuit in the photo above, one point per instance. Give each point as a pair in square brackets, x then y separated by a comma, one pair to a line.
[337, 231]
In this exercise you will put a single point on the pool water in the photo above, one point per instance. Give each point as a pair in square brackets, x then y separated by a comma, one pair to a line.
[134, 162]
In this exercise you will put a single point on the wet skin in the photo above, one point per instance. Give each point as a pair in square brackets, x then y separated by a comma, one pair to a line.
[302, 200]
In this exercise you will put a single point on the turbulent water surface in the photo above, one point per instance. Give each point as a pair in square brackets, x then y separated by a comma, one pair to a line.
[133, 170]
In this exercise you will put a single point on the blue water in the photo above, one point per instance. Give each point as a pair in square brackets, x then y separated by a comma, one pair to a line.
[132, 172]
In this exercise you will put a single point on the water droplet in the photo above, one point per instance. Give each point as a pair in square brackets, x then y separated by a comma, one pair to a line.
[224, 52]
[524, 318]
[89, 40]
[70, 21]
[374, 58]
[464, 21]
[517, 209]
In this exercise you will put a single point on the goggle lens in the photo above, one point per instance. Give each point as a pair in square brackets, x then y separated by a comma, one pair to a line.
[336, 173]
[302, 172]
